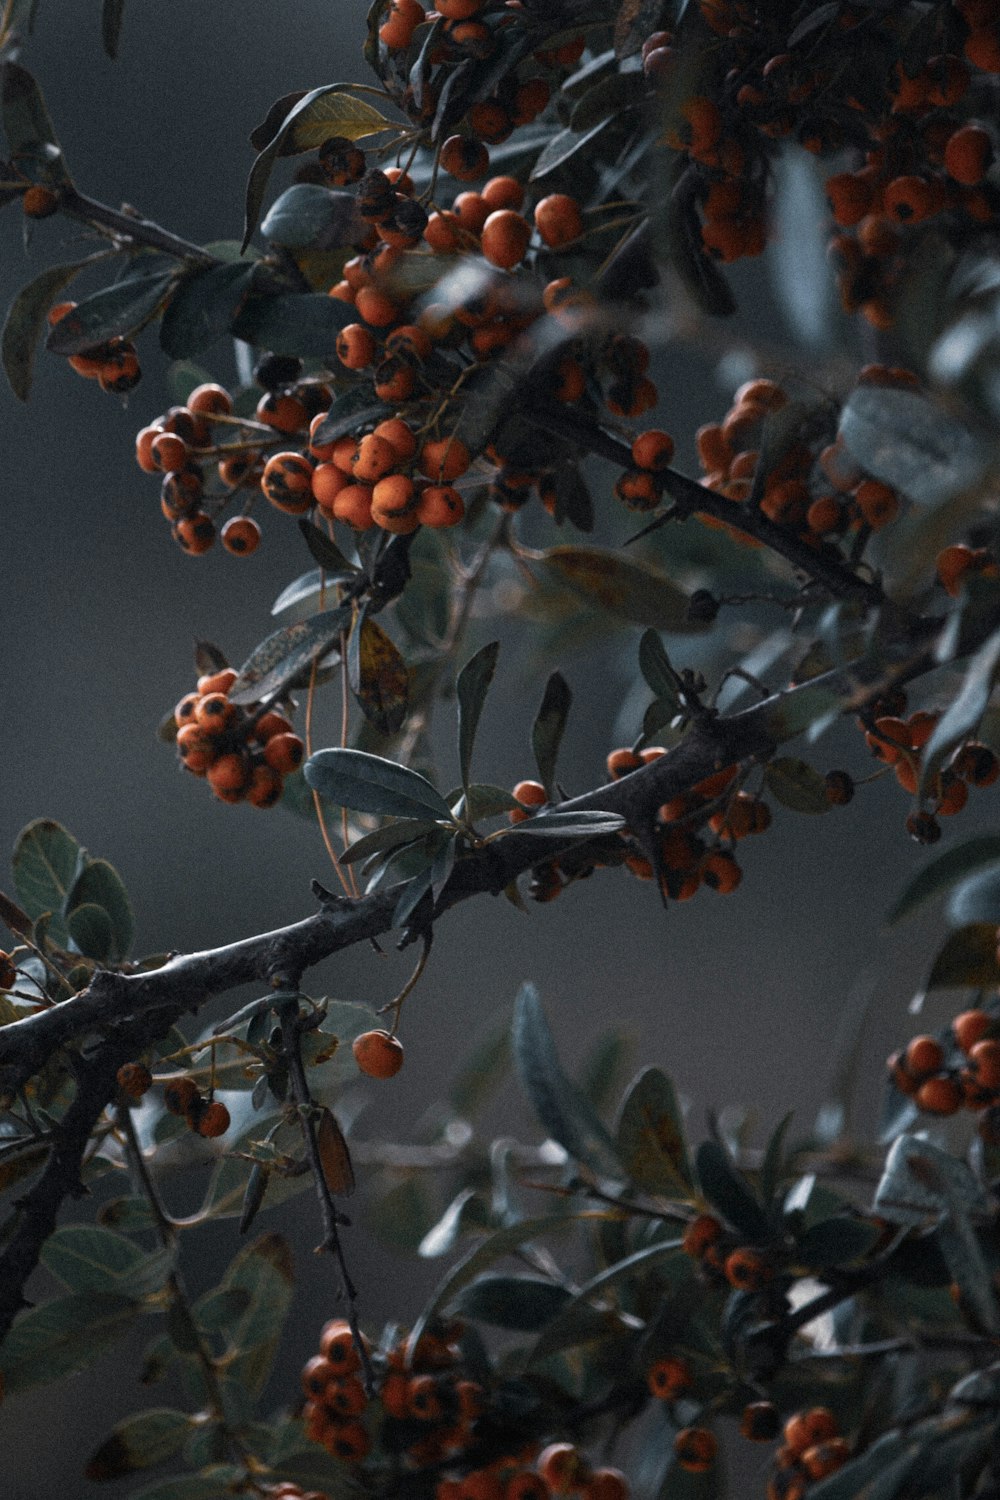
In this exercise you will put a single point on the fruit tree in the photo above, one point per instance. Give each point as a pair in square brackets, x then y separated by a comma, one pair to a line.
[441, 360]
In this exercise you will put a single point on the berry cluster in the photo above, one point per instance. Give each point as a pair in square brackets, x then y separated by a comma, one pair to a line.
[910, 119]
[812, 486]
[898, 742]
[205, 1116]
[962, 1067]
[559, 1469]
[243, 754]
[813, 1448]
[426, 1408]
[114, 364]
[421, 52]
[724, 1258]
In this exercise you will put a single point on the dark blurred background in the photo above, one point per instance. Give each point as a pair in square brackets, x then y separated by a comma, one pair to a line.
[739, 999]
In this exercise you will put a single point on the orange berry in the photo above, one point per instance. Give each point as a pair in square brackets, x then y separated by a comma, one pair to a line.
[212, 1121]
[505, 238]
[284, 753]
[817, 1425]
[266, 786]
[179, 1095]
[444, 459]
[606, 1484]
[240, 535]
[378, 1054]
[970, 1027]
[653, 450]
[336, 1344]
[134, 1079]
[39, 202]
[195, 533]
[229, 776]
[702, 1232]
[354, 505]
[695, 1449]
[373, 458]
[283, 412]
[503, 192]
[327, 482]
[214, 712]
[747, 1269]
[169, 452]
[400, 435]
[440, 505]
[939, 1096]
[563, 1468]
[558, 220]
[668, 1377]
[760, 1422]
[356, 346]
[985, 1059]
[287, 483]
[924, 1055]
[464, 158]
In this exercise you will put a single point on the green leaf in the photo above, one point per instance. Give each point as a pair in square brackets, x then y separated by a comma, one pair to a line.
[547, 730]
[88, 1259]
[25, 321]
[118, 311]
[466, 1211]
[977, 899]
[45, 863]
[314, 118]
[835, 1241]
[920, 1181]
[310, 217]
[569, 1327]
[112, 15]
[471, 687]
[63, 1336]
[264, 1271]
[126, 1214]
[304, 587]
[631, 590]
[139, 1442]
[378, 675]
[218, 1310]
[796, 785]
[962, 716]
[100, 884]
[587, 824]
[880, 1473]
[356, 409]
[500, 1242]
[525, 1303]
[90, 931]
[27, 125]
[302, 323]
[562, 146]
[285, 655]
[327, 554]
[968, 959]
[389, 836]
[946, 871]
[774, 1161]
[368, 783]
[203, 308]
[560, 1106]
[483, 801]
[650, 1136]
[912, 443]
[728, 1190]
[656, 667]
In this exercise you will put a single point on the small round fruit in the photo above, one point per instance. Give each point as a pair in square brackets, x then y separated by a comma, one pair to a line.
[240, 536]
[213, 1120]
[378, 1054]
[134, 1079]
[695, 1449]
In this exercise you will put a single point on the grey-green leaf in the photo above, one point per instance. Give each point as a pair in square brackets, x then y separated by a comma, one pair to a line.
[912, 443]
[118, 311]
[369, 783]
[547, 730]
[471, 687]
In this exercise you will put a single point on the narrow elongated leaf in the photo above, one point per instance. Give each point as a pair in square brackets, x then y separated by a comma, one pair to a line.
[774, 1161]
[118, 311]
[650, 1136]
[301, 323]
[304, 587]
[588, 824]
[656, 667]
[525, 1303]
[100, 884]
[547, 730]
[26, 121]
[286, 653]
[501, 1242]
[562, 146]
[355, 409]
[912, 443]
[977, 898]
[63, 1336]
[560, 1106]
[728, 1190]
[368, 783]
[834, 1242]
[471, 687]
[944, 872]
[26, 320]
[920, 1182]
[138, 1443]
[963, 714]
[112, 15]
[204, 307]
[391, 836]
[326, 552]
[334, 1156]
[45, 863]
[379, 677]
[631, 590]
